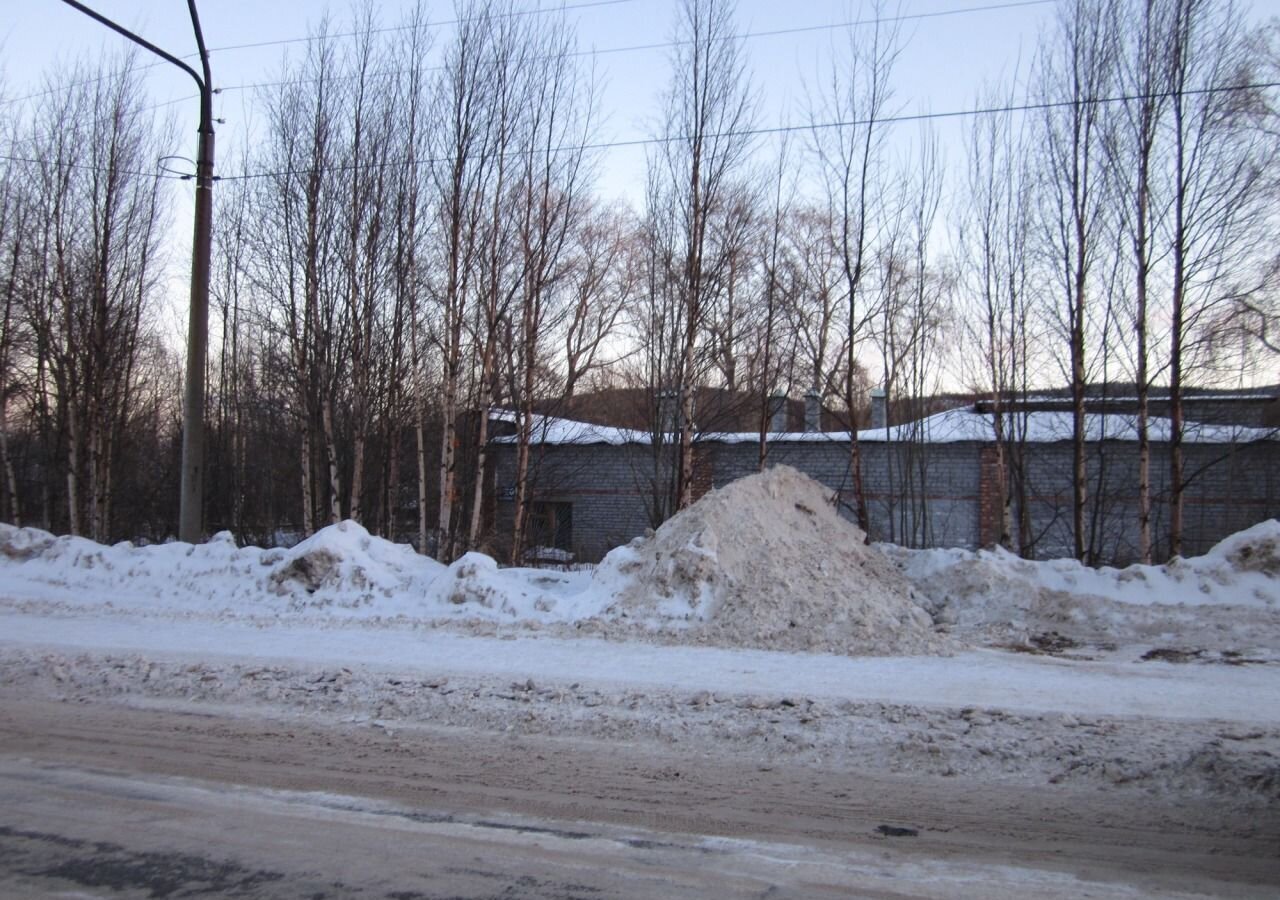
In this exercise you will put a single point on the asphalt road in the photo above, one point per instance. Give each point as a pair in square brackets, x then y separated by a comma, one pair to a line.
[98, 799]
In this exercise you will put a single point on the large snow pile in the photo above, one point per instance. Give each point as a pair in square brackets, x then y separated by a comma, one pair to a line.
[766, 562]
[1226, 600]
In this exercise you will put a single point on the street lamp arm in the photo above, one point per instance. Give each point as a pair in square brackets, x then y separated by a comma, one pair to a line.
[118, 29]
[191, 496]
[206, 100]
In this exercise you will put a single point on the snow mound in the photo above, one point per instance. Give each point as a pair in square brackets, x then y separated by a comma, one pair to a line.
[340, 572]
[766, 562]
[476, 587]
[1228, 599]
[345, 566]
[1255, 549]
[21, 544]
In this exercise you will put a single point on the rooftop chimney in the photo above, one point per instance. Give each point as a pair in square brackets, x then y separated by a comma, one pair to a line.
[668, 410]
[813, 411]
[879, 413]
[778, 413]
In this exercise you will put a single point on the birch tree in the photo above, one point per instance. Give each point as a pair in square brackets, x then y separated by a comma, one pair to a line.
[552, 205]
[1077, 72]
[709, 110]
[858, 92]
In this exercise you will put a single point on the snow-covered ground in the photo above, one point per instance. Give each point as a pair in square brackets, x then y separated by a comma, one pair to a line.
[764, 563]
[731, 609]
[756, 626]
[981, 678]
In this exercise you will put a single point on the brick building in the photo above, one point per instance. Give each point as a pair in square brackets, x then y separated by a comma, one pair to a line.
[931, 483]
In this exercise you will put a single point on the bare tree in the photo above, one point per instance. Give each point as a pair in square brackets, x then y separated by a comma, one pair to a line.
[462, 153]
[512, 83]
[604, 275]
[16, 230]
[993, 236]
[1076, 73]
[550, 203]
[1217, 165]
[410, 213]
[915, 312]
[297, 258]
[1134, 154]
[774, 291]
[100, 236]
[858, 92]
[365, 168]
[709, 109]
[813, 310]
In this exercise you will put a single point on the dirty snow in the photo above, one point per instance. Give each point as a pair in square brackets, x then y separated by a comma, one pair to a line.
[1225, 601]
[786, 636]
[767, 562]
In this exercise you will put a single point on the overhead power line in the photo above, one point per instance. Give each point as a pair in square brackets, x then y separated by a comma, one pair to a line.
[538, 10]
[746, 35]
[832, 26]
[809, 126]
[603, 51]
[746, 132]
[87, 167]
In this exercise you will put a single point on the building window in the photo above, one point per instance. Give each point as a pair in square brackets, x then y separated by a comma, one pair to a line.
[551, 524]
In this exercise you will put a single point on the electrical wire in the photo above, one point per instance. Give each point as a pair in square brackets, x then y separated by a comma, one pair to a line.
[164, 176]
[604, 51]
[745, 132]
[537, 10]
[746, 35]
[301, 40]
[787, 129]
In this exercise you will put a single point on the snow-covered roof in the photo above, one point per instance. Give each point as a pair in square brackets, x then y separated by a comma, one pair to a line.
[951, 426]
[554, 430]
[1154, 397]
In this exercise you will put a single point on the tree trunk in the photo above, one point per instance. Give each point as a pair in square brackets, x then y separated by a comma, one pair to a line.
[11, 478]
[1080, 484]
[308, 497]
[420, 433]
[331, 457]
[521, 512]
[357, 474]
[482, 439]
[448, 469]
[73, 469]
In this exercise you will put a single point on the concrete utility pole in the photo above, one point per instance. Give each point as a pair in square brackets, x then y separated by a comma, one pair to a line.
[191, 500]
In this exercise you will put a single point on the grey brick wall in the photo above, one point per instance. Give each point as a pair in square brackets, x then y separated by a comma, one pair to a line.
[1228, 489]
[927, 494]
[607, 486]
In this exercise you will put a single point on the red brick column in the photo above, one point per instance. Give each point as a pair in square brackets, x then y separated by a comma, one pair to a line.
[989, 502]
[703, 471]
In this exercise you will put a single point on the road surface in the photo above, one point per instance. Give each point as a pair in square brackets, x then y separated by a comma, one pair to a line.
[105, 799]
